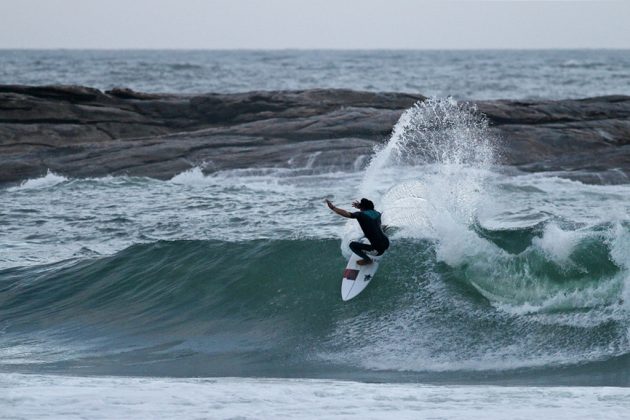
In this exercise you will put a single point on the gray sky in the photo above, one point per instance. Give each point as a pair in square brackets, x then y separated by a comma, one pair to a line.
[219, 24]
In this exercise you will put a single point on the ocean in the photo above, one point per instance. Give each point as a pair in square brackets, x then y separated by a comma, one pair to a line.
[503, 295]
[483, 74]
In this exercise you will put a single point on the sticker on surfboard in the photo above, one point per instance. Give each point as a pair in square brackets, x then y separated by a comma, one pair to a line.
[357, 277]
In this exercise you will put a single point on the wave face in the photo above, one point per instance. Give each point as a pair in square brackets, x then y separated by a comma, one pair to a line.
[491, 276]
[187, 308]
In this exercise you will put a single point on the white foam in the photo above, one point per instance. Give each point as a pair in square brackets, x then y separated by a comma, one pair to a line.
[191, 176]
[619, 243]
[558, 244]
[48, 180]
[108, 214]
[559, 307]
[47, 397]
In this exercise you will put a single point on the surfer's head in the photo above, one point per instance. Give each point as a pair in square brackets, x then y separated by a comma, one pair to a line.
[366, 204]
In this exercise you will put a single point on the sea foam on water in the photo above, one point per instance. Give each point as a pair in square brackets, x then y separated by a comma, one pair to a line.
[430, 176]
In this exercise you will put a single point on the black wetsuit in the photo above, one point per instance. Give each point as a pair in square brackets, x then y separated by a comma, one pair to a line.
[370, 222]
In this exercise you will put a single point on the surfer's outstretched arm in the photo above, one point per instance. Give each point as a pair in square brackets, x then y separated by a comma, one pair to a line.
[340, 212]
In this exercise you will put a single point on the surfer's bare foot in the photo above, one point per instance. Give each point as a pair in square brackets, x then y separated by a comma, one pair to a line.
[364, 262]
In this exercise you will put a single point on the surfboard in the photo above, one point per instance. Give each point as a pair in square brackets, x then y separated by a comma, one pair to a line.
[357, 277]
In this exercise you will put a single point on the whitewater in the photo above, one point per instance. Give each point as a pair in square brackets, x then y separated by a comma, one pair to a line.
[494, 278]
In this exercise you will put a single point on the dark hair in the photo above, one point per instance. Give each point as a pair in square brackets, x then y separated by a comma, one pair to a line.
[366, 204]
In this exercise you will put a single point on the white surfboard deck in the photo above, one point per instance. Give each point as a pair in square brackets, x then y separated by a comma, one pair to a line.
[357, 277]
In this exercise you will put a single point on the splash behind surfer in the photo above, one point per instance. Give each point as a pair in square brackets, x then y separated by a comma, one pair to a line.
[370, 222]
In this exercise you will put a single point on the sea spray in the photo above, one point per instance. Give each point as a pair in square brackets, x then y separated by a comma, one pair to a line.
[428, 178]
[437, 130]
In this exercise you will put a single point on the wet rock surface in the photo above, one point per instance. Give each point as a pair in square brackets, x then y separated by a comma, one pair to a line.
[79, 131]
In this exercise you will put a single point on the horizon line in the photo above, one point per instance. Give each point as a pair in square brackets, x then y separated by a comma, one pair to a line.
[312, 49]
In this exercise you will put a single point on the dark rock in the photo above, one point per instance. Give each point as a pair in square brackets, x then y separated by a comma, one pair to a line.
[80, 131]
[126, 93]
[56, 92]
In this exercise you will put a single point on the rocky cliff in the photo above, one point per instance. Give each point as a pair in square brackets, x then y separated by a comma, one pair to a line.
[79, 131]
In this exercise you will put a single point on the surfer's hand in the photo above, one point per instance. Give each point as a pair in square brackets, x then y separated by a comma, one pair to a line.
[329, 204]
[356, 204]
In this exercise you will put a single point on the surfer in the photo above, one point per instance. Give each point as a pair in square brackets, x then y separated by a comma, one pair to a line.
[370, 222]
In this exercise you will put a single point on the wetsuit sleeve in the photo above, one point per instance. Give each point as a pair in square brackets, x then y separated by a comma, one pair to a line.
[355, 215]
